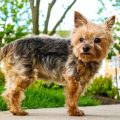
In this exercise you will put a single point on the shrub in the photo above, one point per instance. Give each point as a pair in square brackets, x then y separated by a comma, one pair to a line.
[40, 83]
[2, 80]
[102, 86]
[88, 101]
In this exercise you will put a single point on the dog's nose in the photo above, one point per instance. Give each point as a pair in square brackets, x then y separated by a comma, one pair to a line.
[86, 49]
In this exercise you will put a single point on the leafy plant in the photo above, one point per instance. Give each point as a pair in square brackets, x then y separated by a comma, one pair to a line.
[88, 101]
[103, 9]
[14, 23]
[2, 80]
[102, 86]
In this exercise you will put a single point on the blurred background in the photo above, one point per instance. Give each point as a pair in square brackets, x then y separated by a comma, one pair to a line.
[19, 18]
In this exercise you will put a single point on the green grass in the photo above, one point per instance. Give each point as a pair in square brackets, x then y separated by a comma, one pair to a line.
[42, 96]
[88, 101]
[63, 33]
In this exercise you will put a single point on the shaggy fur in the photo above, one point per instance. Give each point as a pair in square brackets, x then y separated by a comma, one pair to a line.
[71, 62]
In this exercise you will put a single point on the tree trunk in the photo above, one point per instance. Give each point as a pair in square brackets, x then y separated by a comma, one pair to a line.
[61, 19]
[50, 6]
[34, 4]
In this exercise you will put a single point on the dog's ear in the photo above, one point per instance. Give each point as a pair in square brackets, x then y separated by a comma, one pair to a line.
[109, 23]
[79, 19]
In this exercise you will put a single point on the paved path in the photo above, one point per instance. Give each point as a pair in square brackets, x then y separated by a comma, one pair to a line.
[106, 112]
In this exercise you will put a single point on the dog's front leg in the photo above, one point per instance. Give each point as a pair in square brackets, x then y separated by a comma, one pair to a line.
[73, 91]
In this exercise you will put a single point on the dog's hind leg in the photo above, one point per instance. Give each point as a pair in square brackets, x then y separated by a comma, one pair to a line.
[14, 93]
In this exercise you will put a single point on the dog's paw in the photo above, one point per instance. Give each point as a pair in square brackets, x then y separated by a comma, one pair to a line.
[76, 112]
[19, 113]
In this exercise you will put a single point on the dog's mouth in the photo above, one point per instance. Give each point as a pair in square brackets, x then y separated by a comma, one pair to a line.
[85, 53]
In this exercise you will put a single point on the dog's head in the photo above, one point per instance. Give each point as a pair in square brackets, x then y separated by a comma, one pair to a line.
[90, 41]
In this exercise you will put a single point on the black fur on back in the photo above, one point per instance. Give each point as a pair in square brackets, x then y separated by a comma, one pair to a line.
[50, 52]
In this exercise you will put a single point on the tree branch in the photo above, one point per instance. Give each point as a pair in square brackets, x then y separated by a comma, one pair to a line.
[61, 19]
[31, 4]
[35, 15]
[50, 6]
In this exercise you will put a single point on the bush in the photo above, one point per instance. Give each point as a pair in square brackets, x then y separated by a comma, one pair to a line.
[88, 101]
[2, 80]
[40, 83]
[102, 86]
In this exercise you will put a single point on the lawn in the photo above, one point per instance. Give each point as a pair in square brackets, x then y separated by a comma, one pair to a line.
[47, 96]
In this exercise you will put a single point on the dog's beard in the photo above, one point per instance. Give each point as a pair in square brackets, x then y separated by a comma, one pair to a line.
[96, 54]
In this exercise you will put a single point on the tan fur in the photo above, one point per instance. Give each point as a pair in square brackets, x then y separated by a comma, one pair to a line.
[92, 32]
[73, 91]
[15, 86]
[66, 62]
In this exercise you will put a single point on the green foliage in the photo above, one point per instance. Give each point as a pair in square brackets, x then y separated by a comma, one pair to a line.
[101, 11]
[40, 95]
[102, 86]
[49, 85]
[2, 80]
[63, 33]
[3, 105]
[88, 101]
[14, 23]
[43, 97]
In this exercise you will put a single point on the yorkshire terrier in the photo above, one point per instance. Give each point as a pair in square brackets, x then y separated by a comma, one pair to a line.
[71, 62]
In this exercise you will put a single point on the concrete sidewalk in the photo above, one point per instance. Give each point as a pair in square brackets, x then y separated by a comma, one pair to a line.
[106, 112]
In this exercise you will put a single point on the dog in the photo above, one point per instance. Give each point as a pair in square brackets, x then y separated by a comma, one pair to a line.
[72, 62]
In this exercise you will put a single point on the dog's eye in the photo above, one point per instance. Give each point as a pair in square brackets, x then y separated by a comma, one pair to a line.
[97, 40]
[81, 39]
